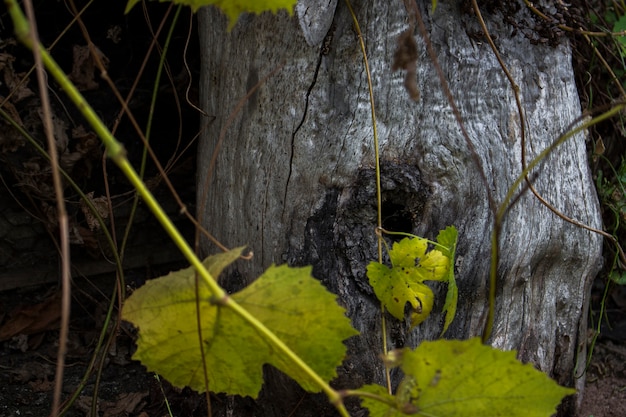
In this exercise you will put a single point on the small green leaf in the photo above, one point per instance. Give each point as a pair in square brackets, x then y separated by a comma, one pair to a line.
[616, 277]
[288, 301]
[448, 239]
[456, 378]
[232, 8]
[403, 282]
[215, 264]
[385, 406]
[434, 6]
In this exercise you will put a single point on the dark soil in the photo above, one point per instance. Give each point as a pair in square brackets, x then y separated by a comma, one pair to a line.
[28, 359]
[605, 389]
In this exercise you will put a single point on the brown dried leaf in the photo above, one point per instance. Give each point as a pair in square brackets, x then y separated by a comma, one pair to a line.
[126, 404]
[86, 142]
[42, 385]
[59, 130]
[15, 82]
[101, 205]
[10, 139]
[84, 67]
[33, 319]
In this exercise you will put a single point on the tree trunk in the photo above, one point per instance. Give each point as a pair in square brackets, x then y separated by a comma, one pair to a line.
[295, 179]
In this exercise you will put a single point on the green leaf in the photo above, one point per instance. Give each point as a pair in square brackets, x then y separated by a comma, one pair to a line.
[448, 239]
[434, 6]
[288, 301]
[386, 405]
[620, 26]
[215, 264]
[232, 8]
[456, 378]
[616, 277]
[403, 282]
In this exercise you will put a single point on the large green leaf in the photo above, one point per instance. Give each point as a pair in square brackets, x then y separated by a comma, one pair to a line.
[453, 378]
[448, 238]
[232, 8]
[288, 301]
[404, 282]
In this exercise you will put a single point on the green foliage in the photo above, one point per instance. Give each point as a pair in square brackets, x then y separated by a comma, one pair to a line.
[618, 277]
[403, 282]
[620, 26]
[447, 238]
[293, 305]
[613, 194]
[455, 378]
[232, 8]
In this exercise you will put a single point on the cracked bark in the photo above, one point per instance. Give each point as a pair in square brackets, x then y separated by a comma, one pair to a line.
[304, 186]
[295, 132]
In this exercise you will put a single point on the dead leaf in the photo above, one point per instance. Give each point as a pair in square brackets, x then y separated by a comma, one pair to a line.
[84, 67]
[67, 159]
[76, 237]
[102, 207]
[18, 342]
[16, 83]
[33, 319]
[114, 33]
[126, 404]
[31, 371]
[87, 141]
[84, 402]
[10, 138]
[42, 385]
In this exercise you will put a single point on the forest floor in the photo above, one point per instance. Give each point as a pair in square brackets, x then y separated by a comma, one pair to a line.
[29, 318]
[605, 386]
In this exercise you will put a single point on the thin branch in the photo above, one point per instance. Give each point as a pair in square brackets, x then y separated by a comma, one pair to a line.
[33, 37]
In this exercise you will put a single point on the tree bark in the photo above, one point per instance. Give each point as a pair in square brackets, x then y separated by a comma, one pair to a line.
[295, 179]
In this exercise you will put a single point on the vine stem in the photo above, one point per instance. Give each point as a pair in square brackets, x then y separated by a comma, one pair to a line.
[412, 236]
[115, 151]
[379, 203]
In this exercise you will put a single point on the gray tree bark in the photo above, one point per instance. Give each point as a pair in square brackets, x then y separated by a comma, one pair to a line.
[294, 178]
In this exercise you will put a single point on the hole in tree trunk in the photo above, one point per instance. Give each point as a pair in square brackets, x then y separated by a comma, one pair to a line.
[396, 218]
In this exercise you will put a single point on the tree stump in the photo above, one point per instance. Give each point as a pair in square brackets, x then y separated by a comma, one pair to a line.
[294, 178]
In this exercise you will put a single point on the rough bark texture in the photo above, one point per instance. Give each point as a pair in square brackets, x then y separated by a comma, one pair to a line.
[294, 178]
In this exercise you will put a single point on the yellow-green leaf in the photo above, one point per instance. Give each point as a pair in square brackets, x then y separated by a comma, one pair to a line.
[448, 238]
[403, 282]
[385, 406]
[456, 378]
[215, 264]
[232, 8]
[288, 301]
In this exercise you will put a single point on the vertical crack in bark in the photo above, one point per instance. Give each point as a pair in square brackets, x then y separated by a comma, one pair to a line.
[263, 215]
[295, 132]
